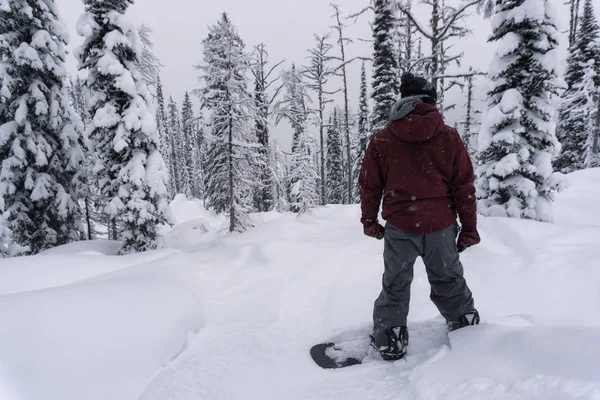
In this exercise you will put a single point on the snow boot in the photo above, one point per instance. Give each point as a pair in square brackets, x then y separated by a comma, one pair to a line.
[468, 319]
[397, 344]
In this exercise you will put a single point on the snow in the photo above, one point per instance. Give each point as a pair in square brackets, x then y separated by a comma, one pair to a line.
[232, 316]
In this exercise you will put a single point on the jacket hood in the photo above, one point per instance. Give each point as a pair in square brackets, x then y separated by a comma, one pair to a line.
[414, 121]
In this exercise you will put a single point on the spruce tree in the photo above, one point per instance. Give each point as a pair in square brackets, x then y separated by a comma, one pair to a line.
[149, 65]
[190, 147]
[517, 140]
[91, 200]
[335, 171]
[302, 179]
[363, 132]
[40, 132]
[132, 172]
[385, 64]
[277, 162]
[229, 168]
[264, 189]
[162, 125]
[174, 133]
[202, 150]
[576, 129]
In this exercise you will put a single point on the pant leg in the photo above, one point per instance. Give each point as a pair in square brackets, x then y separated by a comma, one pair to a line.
[449, 290]
[391, 308]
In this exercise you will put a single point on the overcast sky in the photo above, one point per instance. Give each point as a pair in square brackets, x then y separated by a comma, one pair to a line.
[285, 26]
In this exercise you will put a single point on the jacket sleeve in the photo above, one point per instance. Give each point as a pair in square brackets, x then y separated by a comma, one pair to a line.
[462, 186]
[371, 182]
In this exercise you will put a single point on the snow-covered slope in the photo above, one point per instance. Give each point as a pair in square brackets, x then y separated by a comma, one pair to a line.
[246, 308]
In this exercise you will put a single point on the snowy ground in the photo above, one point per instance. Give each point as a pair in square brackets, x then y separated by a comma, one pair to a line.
[221, 317]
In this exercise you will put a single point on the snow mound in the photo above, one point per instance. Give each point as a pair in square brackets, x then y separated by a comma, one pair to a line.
[512, 359]
[67, 264]
[99, 339]
[183, 210]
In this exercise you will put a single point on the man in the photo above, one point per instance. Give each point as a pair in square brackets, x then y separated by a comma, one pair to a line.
[422, 170]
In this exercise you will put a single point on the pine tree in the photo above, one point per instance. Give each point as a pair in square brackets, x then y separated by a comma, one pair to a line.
[190, 148]
[579, 107]
[385, 64]
[335, 172]
[277, 163]
[517, 140]
[91, 200]
[264, 190]
[40, 133]
[202, 151]
[318, 73]
[149, 65]
[302, 179]
[162, 126]
[363, 132]
[132, 172]
[232, 116]
[174, 133]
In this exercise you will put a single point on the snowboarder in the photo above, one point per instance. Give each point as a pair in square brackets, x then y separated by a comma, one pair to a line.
[421, 169]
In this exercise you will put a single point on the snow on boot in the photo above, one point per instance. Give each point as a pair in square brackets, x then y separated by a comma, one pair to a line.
[396, 346]
[468, 319]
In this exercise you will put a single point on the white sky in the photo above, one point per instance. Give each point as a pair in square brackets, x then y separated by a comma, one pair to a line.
[285, 26]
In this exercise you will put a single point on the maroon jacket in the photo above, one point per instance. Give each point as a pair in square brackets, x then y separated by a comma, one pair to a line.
[423, 171]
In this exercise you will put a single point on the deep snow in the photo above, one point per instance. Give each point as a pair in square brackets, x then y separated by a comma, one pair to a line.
[217, 316]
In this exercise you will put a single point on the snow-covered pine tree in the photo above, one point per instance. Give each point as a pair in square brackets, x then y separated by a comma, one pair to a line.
[149, 65]
[576, 129]
[517, 139]
[190, 148]
[132, 172]
[317, 74]
[229, 171]
[91, 202]
[40, 133]
[162, 127]
[175, 135]
[335, 172]
[363, 132]
[385, 64]
[279, 169]
[302, 179]
[264, 189]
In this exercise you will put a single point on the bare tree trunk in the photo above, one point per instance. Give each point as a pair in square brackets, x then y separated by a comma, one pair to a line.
[322, 140]
[88, 219]
[341, 41]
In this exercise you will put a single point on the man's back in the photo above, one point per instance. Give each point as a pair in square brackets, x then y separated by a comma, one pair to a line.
[422, 169]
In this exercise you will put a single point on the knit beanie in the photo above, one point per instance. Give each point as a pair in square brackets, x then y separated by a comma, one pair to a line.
[415, 85]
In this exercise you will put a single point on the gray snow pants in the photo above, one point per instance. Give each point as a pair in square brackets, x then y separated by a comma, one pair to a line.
[449, 290]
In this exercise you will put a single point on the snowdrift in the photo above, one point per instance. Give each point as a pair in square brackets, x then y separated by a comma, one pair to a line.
[101, 339]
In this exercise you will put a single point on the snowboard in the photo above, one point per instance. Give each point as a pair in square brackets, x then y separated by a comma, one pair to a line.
[429, 340]
[340, 355]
